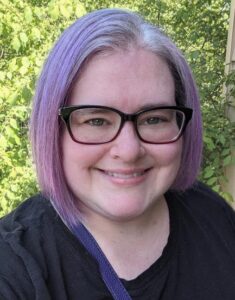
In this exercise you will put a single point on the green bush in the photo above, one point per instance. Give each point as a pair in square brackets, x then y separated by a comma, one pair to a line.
[28, 30]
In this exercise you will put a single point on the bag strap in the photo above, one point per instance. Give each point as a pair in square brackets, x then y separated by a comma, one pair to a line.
[110, 278]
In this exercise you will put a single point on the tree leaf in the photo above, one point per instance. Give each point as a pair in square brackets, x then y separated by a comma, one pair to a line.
[28, 14]
[16, 44]
[23, 38]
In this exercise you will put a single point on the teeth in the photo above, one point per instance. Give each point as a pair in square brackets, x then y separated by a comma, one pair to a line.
[125, 176]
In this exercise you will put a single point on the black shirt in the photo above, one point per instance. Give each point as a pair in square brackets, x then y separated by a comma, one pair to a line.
[41, 259]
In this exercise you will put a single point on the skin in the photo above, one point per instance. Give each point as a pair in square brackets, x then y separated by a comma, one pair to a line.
[124, 207]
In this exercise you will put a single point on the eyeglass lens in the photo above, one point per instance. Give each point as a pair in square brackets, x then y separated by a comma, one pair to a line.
[98, 125]
[94, 125]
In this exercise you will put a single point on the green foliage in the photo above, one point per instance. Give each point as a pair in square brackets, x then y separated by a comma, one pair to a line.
[28, 30]
[200, 29]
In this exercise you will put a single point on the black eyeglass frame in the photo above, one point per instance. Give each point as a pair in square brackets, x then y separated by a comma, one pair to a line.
[65, 112]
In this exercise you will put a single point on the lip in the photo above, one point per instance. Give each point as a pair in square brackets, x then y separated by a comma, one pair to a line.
[125, 176]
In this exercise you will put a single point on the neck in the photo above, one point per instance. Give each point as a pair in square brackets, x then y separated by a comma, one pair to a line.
[145, 236]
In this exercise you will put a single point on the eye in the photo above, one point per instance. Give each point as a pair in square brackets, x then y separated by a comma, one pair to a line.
[96, 122]
[153, 120]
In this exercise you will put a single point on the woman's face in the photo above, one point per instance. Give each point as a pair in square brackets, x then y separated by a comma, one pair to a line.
[126, 178]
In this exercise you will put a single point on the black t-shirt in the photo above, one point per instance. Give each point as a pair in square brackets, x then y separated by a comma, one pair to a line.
[41, 259]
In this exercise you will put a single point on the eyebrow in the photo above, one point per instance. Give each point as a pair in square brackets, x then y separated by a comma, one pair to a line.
[97, 110]
[154, 105]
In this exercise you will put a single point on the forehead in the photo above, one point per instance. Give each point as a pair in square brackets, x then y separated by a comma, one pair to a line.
[125, 78]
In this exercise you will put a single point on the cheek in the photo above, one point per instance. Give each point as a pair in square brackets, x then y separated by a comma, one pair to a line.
[78, 156]
[169, 154]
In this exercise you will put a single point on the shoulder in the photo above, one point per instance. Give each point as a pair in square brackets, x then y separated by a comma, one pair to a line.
[39, 256]
[27, 224]
[199, 193]
[29, 212]
[21, 241]
[31, 216]
[202, 195]
[204, 205]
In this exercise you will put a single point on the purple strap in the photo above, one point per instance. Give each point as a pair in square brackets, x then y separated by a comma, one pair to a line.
[108, 274]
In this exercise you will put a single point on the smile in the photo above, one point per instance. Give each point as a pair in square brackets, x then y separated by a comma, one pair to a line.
[125, 176]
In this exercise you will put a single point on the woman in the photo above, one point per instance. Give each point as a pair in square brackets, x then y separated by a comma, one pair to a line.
[116, 137]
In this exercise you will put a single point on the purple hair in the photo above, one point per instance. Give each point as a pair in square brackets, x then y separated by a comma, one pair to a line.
[101, 31]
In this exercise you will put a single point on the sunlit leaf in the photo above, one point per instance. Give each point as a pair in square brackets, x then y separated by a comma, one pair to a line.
[65, 11]
[36, 33]
[23, 38]
[16, 44]
[2, 75]
[28, 14]
[54, 13]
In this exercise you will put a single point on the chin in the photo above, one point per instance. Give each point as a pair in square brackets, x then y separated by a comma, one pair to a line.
[127, 211]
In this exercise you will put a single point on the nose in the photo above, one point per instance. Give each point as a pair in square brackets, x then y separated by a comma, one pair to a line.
[127, 146]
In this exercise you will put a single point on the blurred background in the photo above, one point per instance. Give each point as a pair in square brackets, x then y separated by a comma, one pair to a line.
[202, 29]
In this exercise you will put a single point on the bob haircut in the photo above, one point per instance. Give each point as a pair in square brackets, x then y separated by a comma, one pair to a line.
[101, 31]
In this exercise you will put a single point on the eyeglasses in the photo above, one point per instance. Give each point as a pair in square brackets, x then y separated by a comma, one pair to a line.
[95, 124]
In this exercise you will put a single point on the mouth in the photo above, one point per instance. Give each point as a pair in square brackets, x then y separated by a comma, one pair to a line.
[126, 176]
